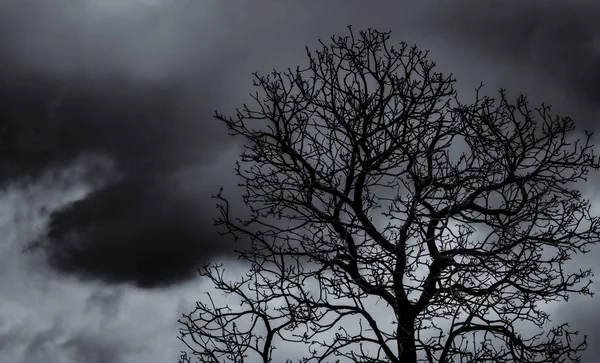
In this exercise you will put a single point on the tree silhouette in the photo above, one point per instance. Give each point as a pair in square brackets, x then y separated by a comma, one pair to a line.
[374, 192]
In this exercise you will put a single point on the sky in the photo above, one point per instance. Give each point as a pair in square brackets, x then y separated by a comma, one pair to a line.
[109, 153]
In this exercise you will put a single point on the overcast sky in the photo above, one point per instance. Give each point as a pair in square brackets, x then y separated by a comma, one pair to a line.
[109, 153]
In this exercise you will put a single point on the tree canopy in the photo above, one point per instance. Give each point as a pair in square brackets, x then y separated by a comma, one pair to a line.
[391, 221]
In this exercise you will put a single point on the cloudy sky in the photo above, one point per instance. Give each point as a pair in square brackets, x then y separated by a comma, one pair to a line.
[109, 153]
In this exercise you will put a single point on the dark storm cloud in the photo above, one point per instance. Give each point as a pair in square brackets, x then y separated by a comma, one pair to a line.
[136, 81]
[137, 230]
[558, 40]
[80, 80]
[144, 128]
[142, 230]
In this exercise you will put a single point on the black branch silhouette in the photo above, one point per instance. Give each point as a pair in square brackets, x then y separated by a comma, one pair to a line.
[391, 222]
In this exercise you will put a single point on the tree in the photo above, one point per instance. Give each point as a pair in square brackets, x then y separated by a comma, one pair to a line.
[374, 192]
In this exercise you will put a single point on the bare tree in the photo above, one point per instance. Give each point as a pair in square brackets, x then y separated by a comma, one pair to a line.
[390, 222]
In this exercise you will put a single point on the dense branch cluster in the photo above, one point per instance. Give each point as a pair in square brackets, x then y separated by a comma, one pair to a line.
[391, 222]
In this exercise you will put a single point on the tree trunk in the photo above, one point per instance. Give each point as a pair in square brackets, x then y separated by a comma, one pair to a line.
[405, 335]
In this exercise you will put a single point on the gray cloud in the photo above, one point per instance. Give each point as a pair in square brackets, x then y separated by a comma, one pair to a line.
[46, 317]
[559, 42]
[143, 40]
